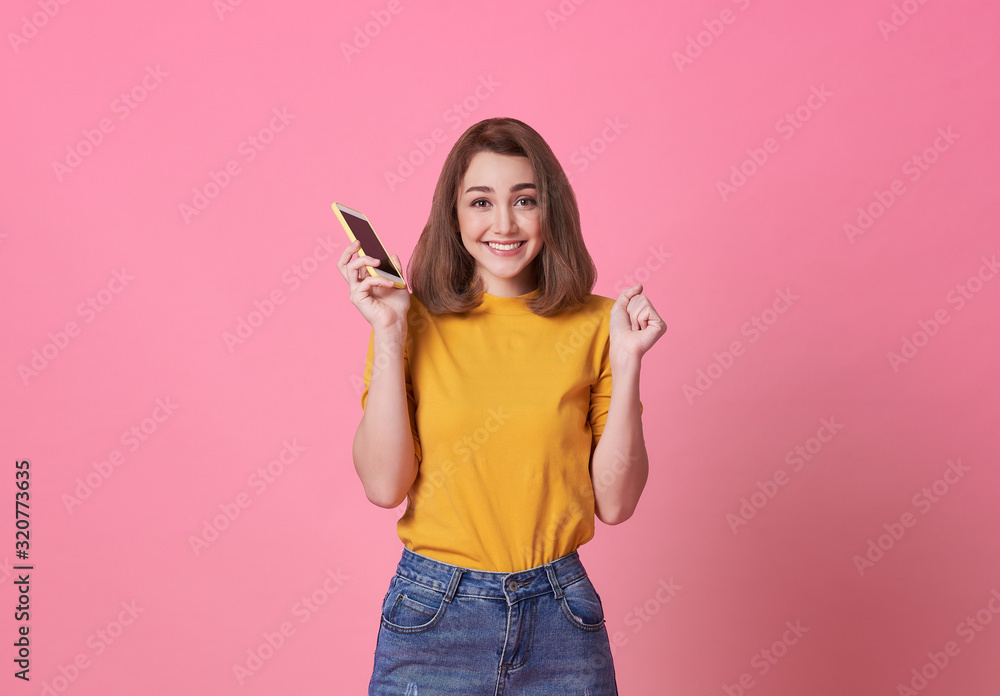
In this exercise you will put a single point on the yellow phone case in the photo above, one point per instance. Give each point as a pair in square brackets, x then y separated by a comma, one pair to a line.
[361, 251]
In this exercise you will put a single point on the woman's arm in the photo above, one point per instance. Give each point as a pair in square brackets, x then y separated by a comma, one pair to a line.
[620, 465]
[383, 444]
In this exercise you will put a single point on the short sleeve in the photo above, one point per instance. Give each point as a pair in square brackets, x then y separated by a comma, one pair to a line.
[411, 404]
[600, 397]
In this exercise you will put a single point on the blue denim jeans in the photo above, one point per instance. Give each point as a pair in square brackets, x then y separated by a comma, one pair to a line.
[451, 630]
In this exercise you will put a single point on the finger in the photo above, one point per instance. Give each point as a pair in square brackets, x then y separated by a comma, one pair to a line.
[368, 285]
[349, 251]
[364, 261]
[350, 263]
[644, 313]
[363, 288]
[359, 264]
[628, 293]
[344, 258]
[633, 314]
[365, 274]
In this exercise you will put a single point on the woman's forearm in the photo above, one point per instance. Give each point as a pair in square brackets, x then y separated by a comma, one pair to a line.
[383, 444]
[620, 465]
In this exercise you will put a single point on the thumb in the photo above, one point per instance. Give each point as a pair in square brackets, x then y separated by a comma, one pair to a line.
[627, 294]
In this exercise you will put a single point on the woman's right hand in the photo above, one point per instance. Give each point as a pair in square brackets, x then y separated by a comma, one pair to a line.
[381, 303]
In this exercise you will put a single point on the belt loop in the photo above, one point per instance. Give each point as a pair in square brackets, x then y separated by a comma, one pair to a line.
[553, 580]
[456, 577]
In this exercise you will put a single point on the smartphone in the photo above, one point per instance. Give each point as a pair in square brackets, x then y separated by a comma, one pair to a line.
[357, 227]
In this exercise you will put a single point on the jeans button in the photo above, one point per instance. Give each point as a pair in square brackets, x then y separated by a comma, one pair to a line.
[512, 585]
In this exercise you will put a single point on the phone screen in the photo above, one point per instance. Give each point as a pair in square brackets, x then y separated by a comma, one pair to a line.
[369, 242]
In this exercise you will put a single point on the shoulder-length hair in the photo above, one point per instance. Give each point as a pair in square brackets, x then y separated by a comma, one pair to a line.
[441, 271]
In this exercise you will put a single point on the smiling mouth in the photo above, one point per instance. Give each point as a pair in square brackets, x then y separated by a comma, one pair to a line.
[505, 244]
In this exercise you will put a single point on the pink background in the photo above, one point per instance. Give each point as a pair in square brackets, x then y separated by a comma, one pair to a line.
[73, 215]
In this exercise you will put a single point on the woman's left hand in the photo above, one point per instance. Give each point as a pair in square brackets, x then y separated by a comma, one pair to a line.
[634, 326]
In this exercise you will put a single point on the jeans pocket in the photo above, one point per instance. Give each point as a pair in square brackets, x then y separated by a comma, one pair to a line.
[412, 607]
[581, 605]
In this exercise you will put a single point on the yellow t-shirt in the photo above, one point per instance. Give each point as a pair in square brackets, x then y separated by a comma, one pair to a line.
[506, 408]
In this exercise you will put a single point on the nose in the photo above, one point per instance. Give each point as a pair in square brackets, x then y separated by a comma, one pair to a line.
[504, 222]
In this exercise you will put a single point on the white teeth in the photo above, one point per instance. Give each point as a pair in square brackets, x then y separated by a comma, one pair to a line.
[504, 247]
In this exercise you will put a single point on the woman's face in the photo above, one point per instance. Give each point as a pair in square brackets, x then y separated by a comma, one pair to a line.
[498, 202]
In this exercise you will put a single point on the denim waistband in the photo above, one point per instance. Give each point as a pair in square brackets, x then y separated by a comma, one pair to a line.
[454, 580]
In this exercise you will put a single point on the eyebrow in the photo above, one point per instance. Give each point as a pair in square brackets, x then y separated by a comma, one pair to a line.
[489, 189]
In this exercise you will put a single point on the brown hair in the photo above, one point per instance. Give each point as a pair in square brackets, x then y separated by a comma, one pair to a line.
[442, 273]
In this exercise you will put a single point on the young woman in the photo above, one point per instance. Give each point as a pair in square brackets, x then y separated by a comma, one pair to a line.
[489, 407]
